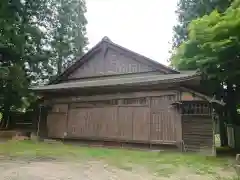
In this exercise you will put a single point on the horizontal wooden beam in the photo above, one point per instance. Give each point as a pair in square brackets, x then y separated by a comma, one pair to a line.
[109, 97]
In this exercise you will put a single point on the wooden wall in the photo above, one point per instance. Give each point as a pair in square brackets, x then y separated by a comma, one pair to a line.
[112, 64]
[141, 119]
[57, 121]
[198, 133]
[163, 121]
[147, 118]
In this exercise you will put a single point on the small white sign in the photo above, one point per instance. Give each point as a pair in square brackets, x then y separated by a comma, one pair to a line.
[65, 134]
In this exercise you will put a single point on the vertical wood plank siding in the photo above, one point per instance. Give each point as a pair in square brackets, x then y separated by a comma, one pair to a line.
[113, 63]
[57, 120]
[198, 133]
[125, 123]
[150, 120]
[163, 122]
[141, 124]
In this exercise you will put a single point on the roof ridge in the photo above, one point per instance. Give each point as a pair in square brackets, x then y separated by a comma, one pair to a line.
[106, 38]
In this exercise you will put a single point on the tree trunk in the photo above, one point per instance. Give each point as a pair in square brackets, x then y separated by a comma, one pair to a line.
[6, 114]
[59, 65]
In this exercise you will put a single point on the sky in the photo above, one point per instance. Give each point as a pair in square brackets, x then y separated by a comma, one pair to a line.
[144, 26]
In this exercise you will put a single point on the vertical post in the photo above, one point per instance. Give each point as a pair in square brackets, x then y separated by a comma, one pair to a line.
[67, 121]
[39, 119]
[132, 111]
[180, 119]
[65, 134]
[118, 125]
[150, 122]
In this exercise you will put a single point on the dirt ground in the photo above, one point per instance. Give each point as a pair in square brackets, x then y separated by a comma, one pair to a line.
[91, 170]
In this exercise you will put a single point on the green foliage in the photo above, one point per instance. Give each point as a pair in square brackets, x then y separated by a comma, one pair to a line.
[189, 10]
[20, 42]
[213, 46]
[33, 35]
[68, 32]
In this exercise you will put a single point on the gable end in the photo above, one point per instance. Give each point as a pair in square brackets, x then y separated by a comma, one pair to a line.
[108, 58]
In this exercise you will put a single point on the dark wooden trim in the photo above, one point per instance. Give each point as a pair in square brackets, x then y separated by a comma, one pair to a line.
[196, 115]
[119, 140]
[132, 125]
[67, 121]
[96, 106]
[182, 140]
[150, 119]
[133, 105]
[118, 129]
[111, 75]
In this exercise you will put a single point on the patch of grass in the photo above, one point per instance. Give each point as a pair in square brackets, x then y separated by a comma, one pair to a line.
[162, 163]
[228, 178]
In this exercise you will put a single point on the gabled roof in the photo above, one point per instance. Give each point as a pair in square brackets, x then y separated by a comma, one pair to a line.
[106, 43]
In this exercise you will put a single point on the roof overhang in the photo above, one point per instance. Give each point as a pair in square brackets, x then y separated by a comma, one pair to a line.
[146, 80]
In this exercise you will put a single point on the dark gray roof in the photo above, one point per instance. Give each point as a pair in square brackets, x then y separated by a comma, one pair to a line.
[118, 80]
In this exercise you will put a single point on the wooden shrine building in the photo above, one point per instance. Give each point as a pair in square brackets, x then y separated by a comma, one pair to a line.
[114, 94]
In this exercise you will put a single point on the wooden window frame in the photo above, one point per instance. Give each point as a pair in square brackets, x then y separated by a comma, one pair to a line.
[196, 108]
[134, 101]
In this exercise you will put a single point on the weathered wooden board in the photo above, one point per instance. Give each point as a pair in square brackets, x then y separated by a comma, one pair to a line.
[197, 132]
[137, 119]
[141, 123]
[56, 125]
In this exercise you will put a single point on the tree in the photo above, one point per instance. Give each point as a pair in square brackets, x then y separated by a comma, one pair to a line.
[21, 57]
[189, 10]
[213, 48]
[68, 32]
[36, 37]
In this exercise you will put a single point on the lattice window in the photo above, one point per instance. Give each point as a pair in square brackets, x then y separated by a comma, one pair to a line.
[196, 108]
[107, 102]
[94, 103]
[170, 97]
[135, 101]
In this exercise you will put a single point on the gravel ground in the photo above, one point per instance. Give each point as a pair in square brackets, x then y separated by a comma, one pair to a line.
[21, 170]
[91, 170]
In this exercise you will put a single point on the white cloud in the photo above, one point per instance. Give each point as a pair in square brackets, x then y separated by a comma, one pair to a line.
[144, 26]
